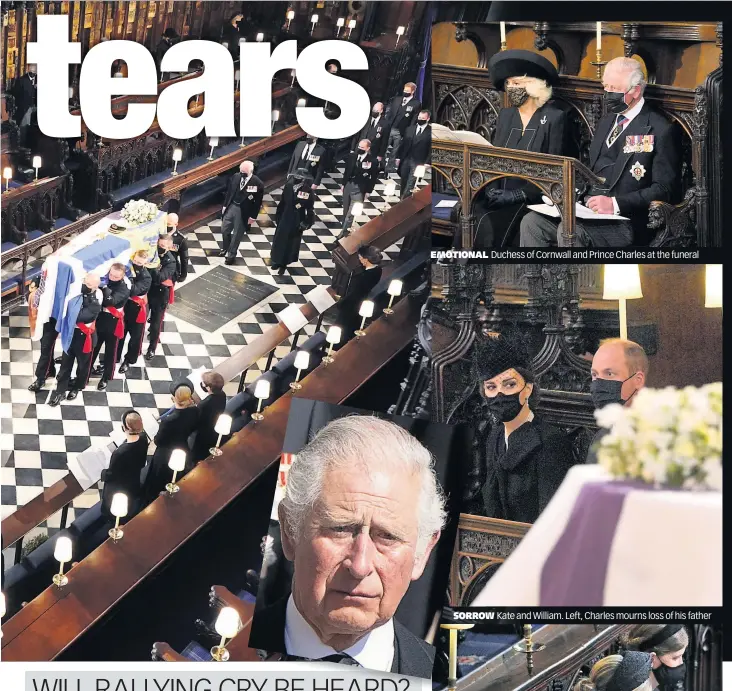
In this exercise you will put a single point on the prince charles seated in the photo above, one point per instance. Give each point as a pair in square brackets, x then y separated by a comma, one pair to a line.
[636, 154]
[361, 514]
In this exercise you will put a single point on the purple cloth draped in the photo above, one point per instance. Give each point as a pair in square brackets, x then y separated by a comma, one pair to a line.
[574, 573]
[431, 12]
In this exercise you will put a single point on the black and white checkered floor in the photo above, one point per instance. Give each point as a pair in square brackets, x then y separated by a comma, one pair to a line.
[37, 439]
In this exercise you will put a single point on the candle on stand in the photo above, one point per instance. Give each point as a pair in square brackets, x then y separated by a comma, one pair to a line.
[36, 164]
[599, 36]
[62, 554]
[260, 37]
[118, 508]
[292, 83]
[176, 463]
[503, 34]
[227, 626]
[237, 79]
[222, 428]
[261, 393]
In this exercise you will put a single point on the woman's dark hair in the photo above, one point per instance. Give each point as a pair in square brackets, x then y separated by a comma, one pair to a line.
[530, 378]
[370, 254]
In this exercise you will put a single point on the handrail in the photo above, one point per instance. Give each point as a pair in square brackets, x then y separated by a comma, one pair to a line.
[30, 188]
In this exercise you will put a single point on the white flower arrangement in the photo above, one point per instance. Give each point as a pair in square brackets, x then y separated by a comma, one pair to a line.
[139, 211]
[670, 437]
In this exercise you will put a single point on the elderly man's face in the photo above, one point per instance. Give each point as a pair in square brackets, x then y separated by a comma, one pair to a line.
[357, 555]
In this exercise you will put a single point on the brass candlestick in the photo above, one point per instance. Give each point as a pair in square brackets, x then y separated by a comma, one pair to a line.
[116, 533]
[452, 652]
[219, 652]
[504, 45]
[599, 64]
[526, 644]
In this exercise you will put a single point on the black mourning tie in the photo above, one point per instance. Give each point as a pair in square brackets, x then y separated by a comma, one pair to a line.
[617, 130]
[341, 659]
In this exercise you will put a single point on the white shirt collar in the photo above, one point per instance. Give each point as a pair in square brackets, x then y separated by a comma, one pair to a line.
[629, 115]
[529, 418]
[374, 651]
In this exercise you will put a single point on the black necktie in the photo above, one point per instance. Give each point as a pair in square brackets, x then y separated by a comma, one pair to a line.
[617, 130]
[341, 659]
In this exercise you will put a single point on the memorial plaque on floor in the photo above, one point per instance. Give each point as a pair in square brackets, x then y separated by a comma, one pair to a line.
[217, 297]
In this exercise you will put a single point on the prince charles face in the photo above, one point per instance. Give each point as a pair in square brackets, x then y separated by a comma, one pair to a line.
[357, 553]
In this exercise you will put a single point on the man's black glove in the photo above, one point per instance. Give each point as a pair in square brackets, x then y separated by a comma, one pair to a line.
[497, 199]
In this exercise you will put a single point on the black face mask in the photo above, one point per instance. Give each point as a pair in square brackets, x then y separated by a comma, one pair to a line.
[407, 94]
[607, 391]
[615, 101]
[161, 251]
[375, 113]
[85, 289]
[361, 151]
[422, 121]
[505, 406]
[310, 140]
[171, 229]
[670, 677]
[517, 96]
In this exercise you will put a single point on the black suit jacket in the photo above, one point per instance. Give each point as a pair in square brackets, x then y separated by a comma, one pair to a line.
[661, 178]
[364, 173]
[413, 657]
[416, 148]
[249, 200]
[377, 134]
[400, 117]
[315, 163]
[25, 94]
[123, 474]
[209, 410]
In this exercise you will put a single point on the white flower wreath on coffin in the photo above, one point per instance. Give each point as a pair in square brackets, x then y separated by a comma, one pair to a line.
[139, 211]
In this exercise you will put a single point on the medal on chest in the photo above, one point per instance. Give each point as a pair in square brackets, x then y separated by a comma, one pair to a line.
[637, 170]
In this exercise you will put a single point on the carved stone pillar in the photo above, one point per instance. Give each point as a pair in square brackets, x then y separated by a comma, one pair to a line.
[467, 231]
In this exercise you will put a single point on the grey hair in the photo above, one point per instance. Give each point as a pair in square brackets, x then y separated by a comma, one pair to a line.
[633, 69]
[246, 167]
[538, 89]
[367, 442]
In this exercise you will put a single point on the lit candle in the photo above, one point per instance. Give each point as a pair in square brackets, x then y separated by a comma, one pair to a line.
[36, 164]
[7, 174]
[599, 36]
[503, 32]
[177, 156]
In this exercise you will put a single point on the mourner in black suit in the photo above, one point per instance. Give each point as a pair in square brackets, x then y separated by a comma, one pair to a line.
[161, 293]
[241, 208]
[636, 154]
[359, 179]
[125, 466]
[309, 155]
[231, 34]
[520, 460]
[209, 410]
[361, 283]
[414, 151]
[169, 37]
[355, 549]
[135, 310]
[25, 93]
[173, 433]
[531, 123]
[82, 343]
[376, 130]
[45, 366]
[400, 114]
[111, 323]
[619, 371]
[294, 216]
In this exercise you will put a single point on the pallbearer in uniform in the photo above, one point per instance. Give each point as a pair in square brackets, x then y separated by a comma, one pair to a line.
[243, 201]
[136, 309]
[414, 151]
[359, 180]
[111, 323]
[82, 343]
[45, 366]
[179, 248]
[311, 156]
[400, 113]
[162, 292]
[530, 123]
[294, 216]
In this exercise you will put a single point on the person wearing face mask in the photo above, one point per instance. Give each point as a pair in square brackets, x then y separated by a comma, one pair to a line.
[294, 216]
[619, 371]
[209, 409]
[25, 93]
[135, 310]
[231, 34]
[400, 113]
[531, 122]
[520, 459]
[161, 293]
[310, 155]
[169, 37]
[178, 248]
[414, 151]
[626, 672]
[635, 152]
[375, 130]
[241, 208]
[125, 465]
[359, 180]
[111, 323]
[87, 306]
[666, 645]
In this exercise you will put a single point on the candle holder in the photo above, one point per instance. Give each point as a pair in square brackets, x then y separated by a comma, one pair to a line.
[213, 143]
[261, 393]
[290, 16]
[177, 156]
[366, 311]
[118, 509]
[351, 27]
[452, 651]
[526, 644]
[227, 626]
[339, 25]
[222, 427]
[394, 290]
[36, 165]
[302, 360]
[62, 554]
[333, 336]
[176, 463]
[599, 63]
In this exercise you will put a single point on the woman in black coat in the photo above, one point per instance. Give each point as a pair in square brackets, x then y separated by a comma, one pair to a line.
[294, 216]
[667, 645]
[175, 428]
[359, 287]
[520, 459]
[128, 460]
[531, 123]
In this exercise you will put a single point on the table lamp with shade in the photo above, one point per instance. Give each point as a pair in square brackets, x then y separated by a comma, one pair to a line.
[177, 156]
[213, 143]
[366, 311]
[227, 625]
[237, 79]
[261, 393]
[313, 22]
[399, 34]
[419, 172]
[275, 117]
[394, 290]
[62, 554]
[356, 210]
[290, 16]
[176, 463]
[390, 188]
[37, 164]
[333, 337]
[302, 360]
[222, 428]
[119, 509]
[351, 27]
[339, 25]
[260, 37]
[622, 283]
[713, 292]
[7, 176]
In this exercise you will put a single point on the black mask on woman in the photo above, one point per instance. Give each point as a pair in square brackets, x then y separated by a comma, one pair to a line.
[505, 406]
[606, 391]
[517, 96]
[670, 677]
[615, 101]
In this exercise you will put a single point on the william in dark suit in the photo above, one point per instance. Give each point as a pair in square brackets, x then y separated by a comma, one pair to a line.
[414, 151]
[359, 179]
[311, 156]
[358, 526]
[636, 154]
[241, 208]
